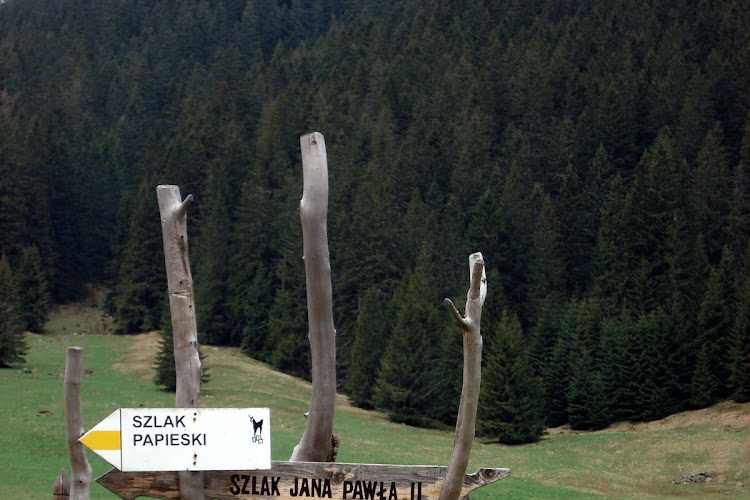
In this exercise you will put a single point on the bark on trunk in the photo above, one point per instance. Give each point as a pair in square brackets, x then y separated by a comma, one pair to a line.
[467, 411]
[80, 468]
[316, 442]
[173, 212]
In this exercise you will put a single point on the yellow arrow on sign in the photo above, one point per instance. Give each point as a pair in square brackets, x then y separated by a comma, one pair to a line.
[102, 440]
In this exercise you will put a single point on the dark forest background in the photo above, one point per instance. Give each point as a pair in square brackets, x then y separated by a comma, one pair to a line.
[596, 153]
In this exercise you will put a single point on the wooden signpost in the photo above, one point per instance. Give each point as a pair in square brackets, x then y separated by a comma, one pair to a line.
[295, 480]
[180, 439]
[192, 453]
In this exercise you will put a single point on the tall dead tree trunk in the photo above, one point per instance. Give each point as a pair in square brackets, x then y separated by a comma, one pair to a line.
[316, 442]
[80, 468]
[472, 376]
[173, 212]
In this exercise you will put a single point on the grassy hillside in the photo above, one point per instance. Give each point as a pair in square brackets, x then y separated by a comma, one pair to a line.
[623, 461]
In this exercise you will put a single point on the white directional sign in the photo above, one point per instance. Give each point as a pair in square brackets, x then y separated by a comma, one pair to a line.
[175, 439]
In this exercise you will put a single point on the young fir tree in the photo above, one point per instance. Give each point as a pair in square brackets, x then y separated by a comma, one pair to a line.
[588, 404]
[257, 296]
[450, 367]
[136, 299]
[510, 401]
[165, 375]
[641, 393]
[713, 344]
[33, 291]
[556, 375]
[11, 192]
[12, 343]
[704, 387]
[287, 343]
[214, 296]
[370, 337]
[406, 382]
[740, 338]
[211, 274]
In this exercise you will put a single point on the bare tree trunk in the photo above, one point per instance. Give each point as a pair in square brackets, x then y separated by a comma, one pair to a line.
[80, 468]
[467, 411]
[61, 488]
[173, 212]
[316, 442]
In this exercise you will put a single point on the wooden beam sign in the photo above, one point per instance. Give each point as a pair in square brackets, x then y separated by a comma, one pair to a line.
[301, 480]
[179, 439]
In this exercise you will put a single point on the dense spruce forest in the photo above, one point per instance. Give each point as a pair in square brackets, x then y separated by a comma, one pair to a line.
[596, 153]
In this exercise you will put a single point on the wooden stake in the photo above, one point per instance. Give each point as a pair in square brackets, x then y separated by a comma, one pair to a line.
[467, 411]
[316, 442]
[173, 212]
[80, 468]
[61, 489]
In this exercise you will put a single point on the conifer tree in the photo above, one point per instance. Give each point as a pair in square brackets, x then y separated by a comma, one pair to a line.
[216, 288]
[577, 231]
[12, 343]
[510, 408]
[165, 374]
[649, 208]
[588, 404]
[406, 384]
[704, 388]
[547, 262]
[641, 393]
[607, 363]
[713, 342]
[450, 367]
[288, 346]
[257, 301]
[370, 338]
[11, 195]
[212, 266]
[688, 275]
[713, 192]
[287, 332]
[137, 297]
[587, 401]
[33, 291]
[252, 281]
[556, 376]
[613, 271]
[740, 338]
[739, 217]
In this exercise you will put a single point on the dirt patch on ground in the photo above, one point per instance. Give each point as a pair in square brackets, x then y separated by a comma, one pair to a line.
[727, 416]
[140, 358]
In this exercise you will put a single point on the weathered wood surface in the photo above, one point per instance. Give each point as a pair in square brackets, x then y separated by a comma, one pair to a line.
[61, 488]
[316, 442]
[472, 376]
[173, 211]
[80, 483]
[294, 480]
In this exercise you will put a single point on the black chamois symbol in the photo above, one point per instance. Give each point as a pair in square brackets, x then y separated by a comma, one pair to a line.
[257, 428]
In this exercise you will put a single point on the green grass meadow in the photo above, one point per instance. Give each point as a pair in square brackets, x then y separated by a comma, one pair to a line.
[624, 461]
